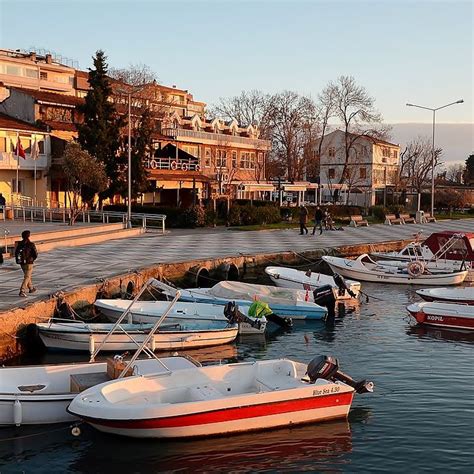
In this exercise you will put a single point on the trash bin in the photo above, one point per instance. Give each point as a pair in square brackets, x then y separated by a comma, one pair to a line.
[420, 217]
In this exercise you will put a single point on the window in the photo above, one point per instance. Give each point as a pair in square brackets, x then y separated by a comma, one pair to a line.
[394, 154]
[191, 150]
[384, 160]
[207, 157]
[33, 73]
[234, 159]
[43, 76]
[221, 159]
[41, 147]
[332, 152]
[244, 159]
[252, 161]
[362, 173]
[260, 158]
[21, 186]
[386, 152]
[26, 144]
[14, 70]
[331, 173]
[3, 144]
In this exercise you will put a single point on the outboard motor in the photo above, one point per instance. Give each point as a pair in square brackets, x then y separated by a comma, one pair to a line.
[234, 316]
[342, 285]
[327, 367]
[324, 296]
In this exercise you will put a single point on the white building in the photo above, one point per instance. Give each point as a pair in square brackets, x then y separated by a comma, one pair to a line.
[362, 179]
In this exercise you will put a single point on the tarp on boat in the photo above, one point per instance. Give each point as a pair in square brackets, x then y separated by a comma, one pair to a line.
[461, 249]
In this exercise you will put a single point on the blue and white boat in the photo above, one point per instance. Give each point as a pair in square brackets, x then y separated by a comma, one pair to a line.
[288, 302]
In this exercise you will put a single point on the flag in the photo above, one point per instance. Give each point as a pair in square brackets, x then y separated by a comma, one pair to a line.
[34, 150]
[19, 149]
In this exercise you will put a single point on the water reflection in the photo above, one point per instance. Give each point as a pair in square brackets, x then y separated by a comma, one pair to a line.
[426, 332]
[284, 449]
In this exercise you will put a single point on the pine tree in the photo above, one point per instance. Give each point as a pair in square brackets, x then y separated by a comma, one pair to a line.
[100, 132]
[469, 172]
[142, 149]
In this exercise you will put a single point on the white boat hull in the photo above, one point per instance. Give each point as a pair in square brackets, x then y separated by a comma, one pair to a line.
[464, 295]
[213, 400]
[182, 312]
[48, 403]
[445, 315]
[162, 341]
[353, 269]
[298, 280]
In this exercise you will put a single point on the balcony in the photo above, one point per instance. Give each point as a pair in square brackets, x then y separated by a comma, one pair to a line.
[219, 139]
[8, 161]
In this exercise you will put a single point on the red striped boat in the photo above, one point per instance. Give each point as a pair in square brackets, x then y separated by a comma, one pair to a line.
[447, 315]
[220, 399]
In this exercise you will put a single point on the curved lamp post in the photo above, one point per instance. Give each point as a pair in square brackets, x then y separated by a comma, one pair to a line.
[460, 101]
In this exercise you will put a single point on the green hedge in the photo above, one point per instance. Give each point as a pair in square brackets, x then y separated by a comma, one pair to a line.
[248, 214]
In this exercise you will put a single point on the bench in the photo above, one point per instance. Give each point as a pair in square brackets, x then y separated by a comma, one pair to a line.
[357, 221]
[407, 219]
[429, 218]
[391, 219]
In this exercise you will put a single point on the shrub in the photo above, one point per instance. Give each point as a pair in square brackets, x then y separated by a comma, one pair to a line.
[193, 217]
[378, 212]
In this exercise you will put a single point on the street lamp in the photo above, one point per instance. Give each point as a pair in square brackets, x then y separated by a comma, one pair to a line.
[460, 101]
[129, 92]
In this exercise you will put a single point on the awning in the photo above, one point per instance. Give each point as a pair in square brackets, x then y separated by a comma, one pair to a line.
[254, 186]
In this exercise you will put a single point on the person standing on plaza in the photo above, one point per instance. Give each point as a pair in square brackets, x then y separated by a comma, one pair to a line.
[318, 220]
[25, 255]
[303, 219]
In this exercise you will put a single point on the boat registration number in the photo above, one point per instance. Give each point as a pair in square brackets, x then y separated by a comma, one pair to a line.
[326, 391]
[434, 318]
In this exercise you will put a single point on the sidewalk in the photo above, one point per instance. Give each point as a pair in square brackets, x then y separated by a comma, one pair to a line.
[67, 268]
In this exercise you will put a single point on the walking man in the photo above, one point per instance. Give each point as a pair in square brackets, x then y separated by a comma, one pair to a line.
[318, 220]
[25, 255]
[303, 219]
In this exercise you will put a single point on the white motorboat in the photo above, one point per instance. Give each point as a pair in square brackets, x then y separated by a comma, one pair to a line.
[79, 336]
[446, 315]
[40, 394]
[220, 399]
[462, 295]
[296, 279]
[365, 269]
[196, 313]
[296, 304]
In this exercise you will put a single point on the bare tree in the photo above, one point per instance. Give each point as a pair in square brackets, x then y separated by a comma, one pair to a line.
[355, 109]
[416, 164]
[134, 75]
[248, 108]
[455, 173]
[325, 110]
[292, 119]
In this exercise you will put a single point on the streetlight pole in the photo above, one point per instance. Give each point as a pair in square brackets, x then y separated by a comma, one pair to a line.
[129, 200]
[460, 101]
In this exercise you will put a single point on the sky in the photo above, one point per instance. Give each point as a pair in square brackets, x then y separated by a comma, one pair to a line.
[400, 51]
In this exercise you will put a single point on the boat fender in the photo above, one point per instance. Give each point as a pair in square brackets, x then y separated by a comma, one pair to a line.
[17, 412]
[415, 269]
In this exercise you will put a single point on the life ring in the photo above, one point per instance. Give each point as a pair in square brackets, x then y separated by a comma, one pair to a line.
[225, 177]
[197, 168]
[184, 166]
[174, 165]
[415, 269]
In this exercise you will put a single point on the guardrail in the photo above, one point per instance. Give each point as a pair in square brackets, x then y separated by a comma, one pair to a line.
[63, 214]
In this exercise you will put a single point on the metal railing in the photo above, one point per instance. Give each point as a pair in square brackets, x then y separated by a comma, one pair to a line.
[64, 214]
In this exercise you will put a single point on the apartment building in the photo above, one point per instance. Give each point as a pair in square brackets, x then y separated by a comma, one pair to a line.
[363, 178]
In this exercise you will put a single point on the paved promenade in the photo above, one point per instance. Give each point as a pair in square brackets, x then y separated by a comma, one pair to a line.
[68, 268]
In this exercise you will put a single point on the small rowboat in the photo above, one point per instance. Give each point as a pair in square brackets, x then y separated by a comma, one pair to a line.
[79, 336]
[365, 269]
[464, 295]
[296, 279]
[220, 399]
[447, 315]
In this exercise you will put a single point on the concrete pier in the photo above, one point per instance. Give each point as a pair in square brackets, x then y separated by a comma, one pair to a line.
[79, 273]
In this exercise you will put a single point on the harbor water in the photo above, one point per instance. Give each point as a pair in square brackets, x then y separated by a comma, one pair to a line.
[420, 417]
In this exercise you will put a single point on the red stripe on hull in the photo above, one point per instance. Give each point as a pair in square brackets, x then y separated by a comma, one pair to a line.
[231, 414]
[443, 320]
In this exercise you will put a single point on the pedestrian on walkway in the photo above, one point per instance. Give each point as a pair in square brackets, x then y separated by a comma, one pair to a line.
[318, 220]
[25, 255]
[303, 212]
[3, 201]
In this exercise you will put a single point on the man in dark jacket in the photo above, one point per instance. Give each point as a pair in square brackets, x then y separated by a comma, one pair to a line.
[25, 255]
[303, 213]
[318, 220]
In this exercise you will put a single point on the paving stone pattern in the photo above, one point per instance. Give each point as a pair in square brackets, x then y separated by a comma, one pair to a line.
[67, 268]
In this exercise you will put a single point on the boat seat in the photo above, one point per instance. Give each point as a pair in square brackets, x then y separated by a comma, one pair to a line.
[278, 382]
